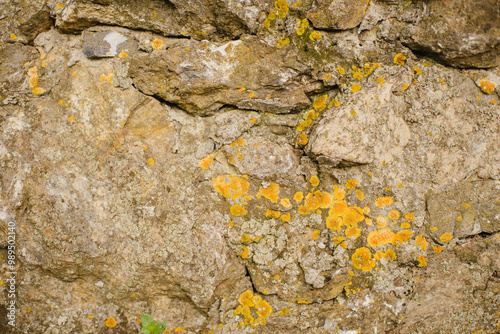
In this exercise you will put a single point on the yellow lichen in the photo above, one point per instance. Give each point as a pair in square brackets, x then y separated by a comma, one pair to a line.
[351, 184]
[60, 6]
[353, 231]
[446, 237]
[360, 196]
[422, 261]
[320, 102]
[381, 221]
[421, 242]
[302, 139]
[380, 237]
[236, 187]
[285, 217]
[303, 25]
[339, 193]
[151, 161]
[382, 202]
[122, 54]
[487, 86]
[207, 161]
[341, 70]
[315, 35]
[334, 223]
[108, 78]
[281, 7]
[393, 215]
[356, 73]
[437, 249]
[315, 234]
[251, 94]
[110, 322]
[355, 88]
[389, 254]
[309, 117]
[253, 119]
[38, 91]
[282, 42]
[314, 181]
[71, 119]
[417, 70]
[272, 213]
[298, 197]
[271, 192]
[238, 210]
[380, 80]
[33, 77]
[405, 86]
[409, 216]
[179, 330]
[244, 254]
[399, 59]
[241, 89]
[403, 236]
[405, 225]
[157, 44]
[13, 37]
[362, 259]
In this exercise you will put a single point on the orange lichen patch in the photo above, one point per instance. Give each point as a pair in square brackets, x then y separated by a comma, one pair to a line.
[355, 88]
[341, 70]
[236, 187]
[59, 6]
[368, 68]
[298, 197]
[247, 239]
[353, 231]
[246, 298]
[318, 199]
[403, 236]
[487, 86]
[339, 193]
[309, 117]
[437, 249]
[238, 210]
[303, 25]
[352, 216]
[493, 101]
[369, 222]
[351, 184]
[360, 196]
[389, 254]
[339, 208]
[382, 202]
[122, 54]
[90, 316]
[33, 77]
[366, 210]
[157, 44]
[282, 42]
[285, 217]
[230, 223]
[281, 8]
[409, 216]
[108, 78]
[315, 35]
[285, 202]
[244, 253]
[399, 59]
[446, 237]
[382, 221]
[422, 261]
[238, 143]
[326, 77]
[272, 213]
[417, 70]
[207, 161]
[110, 322]
[314, 181]
[242, 89]
[405, 86]
[421, 242]
[405, 225]
[380, 80]
[334, 223]
[38, 91]
[302, 139]
[71, 119]
[362, 259]
[393, 215]
[271, 192]
[179, 330]
[315, 234]
[151, 161]
[380, 237]
[263, 309]
[320, 102]
[253, 119]
[13, 37]
[433, 228]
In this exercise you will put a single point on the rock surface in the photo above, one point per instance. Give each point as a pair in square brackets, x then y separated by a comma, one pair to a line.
[257, 166]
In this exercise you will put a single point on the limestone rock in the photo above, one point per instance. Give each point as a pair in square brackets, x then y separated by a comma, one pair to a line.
[337, 15]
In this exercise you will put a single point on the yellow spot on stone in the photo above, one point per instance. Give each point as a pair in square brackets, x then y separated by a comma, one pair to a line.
[405, 86]
[244, 254]
[433, 228]
[362, 259]
[336, 103]
[238, 210]
[382, 202]
[110, 322]
[405, 225]
[459, 218]
[421, 242]
[341, 70]
[272, 213]
[298, 197]
[108, 78]
[61, 102]
[393, 214]
[437, 249]
[242, 89]
[446, 237]
[144, 147]
[157, 44]
[281, 7]
[399, 59]
[303, 25]
[71, 119]
[355, 88]
[90, 316]
[320, 102]
[285, 217]
[366, 210]
[253, 119]
[380, 80]
[60, 6]
[351, 184]
[236, 187]
[271, 192]
[282, 42]
[417, 70]
[315, 35]
[151, 161]
[13, 37]
[422, 261]
[179, 330]
[315, 234]
[38, 91]
[382, 221]
[339, 193]
[493, 101]
[487, 86]
[285, 202]
[409, 216]
[314, 181]
[353, 112]
[251, 94]
[122, 54]
[360, 196]
[230, 224]
[207, 161]
[380, 237]
[441, 80]
[389, 254]
[302, 139]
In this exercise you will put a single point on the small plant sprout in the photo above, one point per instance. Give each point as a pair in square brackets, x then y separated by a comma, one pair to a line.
[149, 325]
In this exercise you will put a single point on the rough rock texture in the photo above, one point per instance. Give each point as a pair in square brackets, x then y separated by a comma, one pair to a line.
[254, 166]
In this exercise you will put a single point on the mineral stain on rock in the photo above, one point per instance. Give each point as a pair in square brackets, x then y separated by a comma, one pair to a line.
[230, 166]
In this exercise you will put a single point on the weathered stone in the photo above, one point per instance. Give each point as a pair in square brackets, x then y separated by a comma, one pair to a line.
[107, 44]
[337, 15]
[468, 209]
